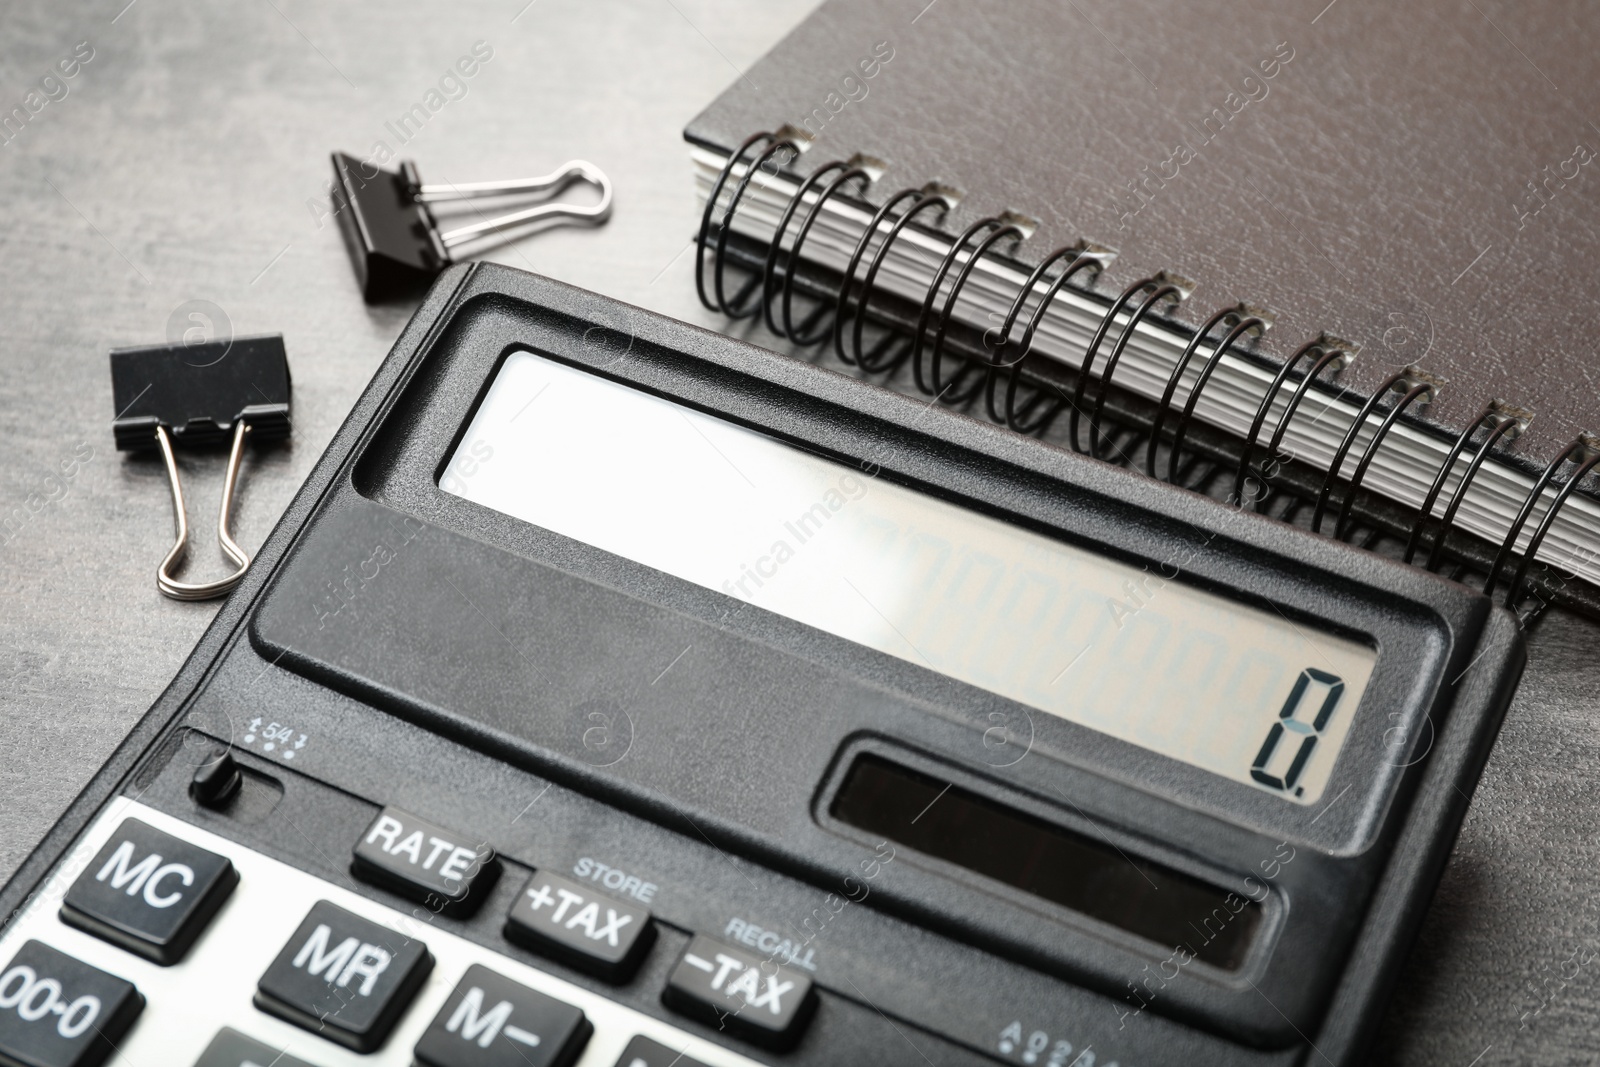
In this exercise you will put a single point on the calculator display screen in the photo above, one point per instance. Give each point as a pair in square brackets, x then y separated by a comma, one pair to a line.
[1133, 652]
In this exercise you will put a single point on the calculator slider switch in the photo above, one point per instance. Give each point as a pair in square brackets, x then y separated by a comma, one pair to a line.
[149, 892]
[737, 991]
[344, 977]
[56, 1011]
[425, 862]
[589, 931]
[216, 781]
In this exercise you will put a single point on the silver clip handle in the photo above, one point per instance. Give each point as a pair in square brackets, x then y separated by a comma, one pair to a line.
[190, 590]
[549, 185]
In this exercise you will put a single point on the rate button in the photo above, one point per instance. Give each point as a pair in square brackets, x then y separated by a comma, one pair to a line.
[423, 861]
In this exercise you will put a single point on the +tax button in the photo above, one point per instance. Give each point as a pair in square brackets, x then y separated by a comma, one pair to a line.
[584, 929]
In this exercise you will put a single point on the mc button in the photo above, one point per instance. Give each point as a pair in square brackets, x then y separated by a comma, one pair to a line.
[149, 892]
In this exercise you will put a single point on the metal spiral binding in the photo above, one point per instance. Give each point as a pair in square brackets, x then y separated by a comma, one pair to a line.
[1085, 257]
[741, 309]
[1158, 289]
[880, 358]
[727, 220]
[1407, 382]
[1000, 228]
[1417, 386]
[1022, 403]
[1585, 452]
[1503, 422]
[1329, 352]
[1242, 322]
[849, 170]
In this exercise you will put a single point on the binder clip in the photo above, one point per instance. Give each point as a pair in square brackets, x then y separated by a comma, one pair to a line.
[200, 394]
[394, 240]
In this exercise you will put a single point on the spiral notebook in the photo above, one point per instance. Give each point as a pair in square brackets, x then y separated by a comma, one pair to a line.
[1359, 236]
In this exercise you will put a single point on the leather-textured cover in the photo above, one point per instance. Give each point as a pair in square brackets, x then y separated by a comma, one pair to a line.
[1418, 178]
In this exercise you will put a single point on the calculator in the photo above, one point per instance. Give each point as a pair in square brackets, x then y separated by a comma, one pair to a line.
[619, 694]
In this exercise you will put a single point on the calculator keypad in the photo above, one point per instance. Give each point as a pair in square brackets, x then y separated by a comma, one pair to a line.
[56, 1011]
[208, 1007]
[149, 892]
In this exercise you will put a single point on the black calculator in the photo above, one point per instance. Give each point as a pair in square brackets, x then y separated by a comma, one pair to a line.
[619, 694]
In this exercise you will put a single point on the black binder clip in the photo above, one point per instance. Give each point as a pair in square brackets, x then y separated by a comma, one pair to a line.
[200, 394]
[394, 240]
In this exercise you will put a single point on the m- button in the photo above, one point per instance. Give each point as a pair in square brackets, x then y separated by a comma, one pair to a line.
[582, 928]
[423, 861]
[740, 992]
[491, 1021]
[149, 892]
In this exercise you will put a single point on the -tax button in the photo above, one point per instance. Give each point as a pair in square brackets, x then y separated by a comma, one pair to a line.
[56, 1011]
[740, 992]
[425, 862]
[149, 892]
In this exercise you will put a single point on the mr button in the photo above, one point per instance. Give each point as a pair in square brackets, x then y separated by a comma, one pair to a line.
[571, 923]
[344, 977]
[742, 993]
[56, 1011]
[491, 1021]
[423, 861]
[149, 892]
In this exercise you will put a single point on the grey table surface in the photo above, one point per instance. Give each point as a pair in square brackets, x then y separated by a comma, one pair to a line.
[183, 173]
